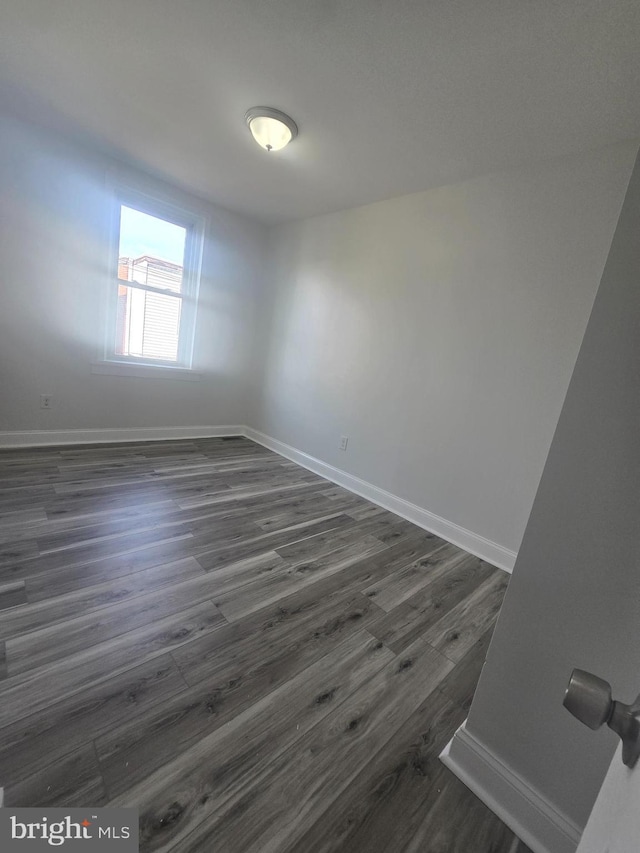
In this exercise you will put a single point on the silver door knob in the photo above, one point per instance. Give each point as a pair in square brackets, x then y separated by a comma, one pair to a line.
[589, 699]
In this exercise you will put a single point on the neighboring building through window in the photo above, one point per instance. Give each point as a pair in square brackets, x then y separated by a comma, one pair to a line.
[153, 314]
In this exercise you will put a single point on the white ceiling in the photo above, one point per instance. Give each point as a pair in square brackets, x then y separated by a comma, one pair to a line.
[391, 96]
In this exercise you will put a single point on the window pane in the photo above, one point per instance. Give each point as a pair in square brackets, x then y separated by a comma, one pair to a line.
[151, 250]
[147, 324]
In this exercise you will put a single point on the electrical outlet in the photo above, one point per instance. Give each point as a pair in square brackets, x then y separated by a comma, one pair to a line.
[46, 401]
[344, 440]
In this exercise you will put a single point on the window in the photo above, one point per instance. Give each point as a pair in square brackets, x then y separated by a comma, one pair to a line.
[153, 292]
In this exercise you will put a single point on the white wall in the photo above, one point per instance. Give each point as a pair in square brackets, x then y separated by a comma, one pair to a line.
[53, 257]
[439, 330]
[574, 599]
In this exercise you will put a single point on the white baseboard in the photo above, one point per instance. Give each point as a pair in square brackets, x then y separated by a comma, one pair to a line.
[48, 438]
[465, 539]
[524, 810]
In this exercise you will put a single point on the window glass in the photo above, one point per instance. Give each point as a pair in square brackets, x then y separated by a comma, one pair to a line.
[151, 250]
[150, 253]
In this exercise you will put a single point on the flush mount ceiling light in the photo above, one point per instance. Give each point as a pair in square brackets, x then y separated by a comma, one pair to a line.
[271, 128]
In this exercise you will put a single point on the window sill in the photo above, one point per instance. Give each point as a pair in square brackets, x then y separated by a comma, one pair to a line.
[144, 371]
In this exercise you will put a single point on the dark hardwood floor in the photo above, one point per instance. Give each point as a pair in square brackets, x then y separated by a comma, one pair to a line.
[256, 658]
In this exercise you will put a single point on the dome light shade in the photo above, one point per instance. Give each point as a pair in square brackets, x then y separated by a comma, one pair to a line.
[271, 128]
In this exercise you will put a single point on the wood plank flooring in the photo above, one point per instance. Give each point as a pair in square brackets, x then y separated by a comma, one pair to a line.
[254, 657]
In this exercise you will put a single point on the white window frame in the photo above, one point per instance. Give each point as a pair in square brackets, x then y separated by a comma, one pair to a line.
[194, 242]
